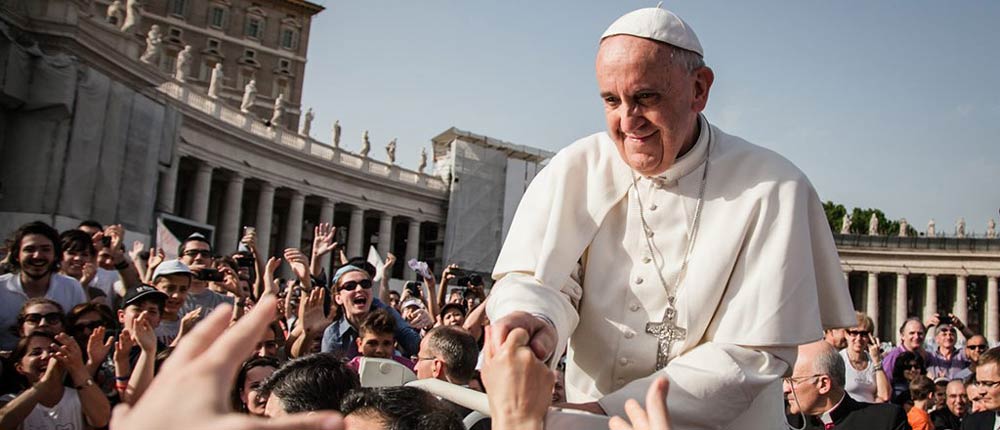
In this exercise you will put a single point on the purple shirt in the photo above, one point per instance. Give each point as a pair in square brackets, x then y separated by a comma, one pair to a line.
[950, 368]
[889, 361]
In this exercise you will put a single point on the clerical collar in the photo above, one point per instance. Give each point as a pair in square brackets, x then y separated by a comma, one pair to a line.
[690, 161]
[827, 416]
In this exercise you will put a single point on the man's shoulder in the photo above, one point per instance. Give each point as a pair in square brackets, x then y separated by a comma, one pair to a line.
[881, 411]
[741, 156]
[979, 418]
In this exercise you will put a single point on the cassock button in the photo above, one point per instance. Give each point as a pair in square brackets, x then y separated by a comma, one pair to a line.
[646, 260]
[623, 361]
[649, 233]
[633, 307]
[638, 280]
[621, 381]
[629, 334]
[653, 207]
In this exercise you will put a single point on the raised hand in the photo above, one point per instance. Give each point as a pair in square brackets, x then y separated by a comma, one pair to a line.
[191, 388]
[117, 234]
[311, 312]
[250, 240]
[420, 319]
[97, 347]
[137, 248]
[390, 260]
[156, 257]
[68, 353]
[89, 273]
[188, 321]
[300, 266]
[654, 417]
[230, 280]
[323, 236]
[144, 334]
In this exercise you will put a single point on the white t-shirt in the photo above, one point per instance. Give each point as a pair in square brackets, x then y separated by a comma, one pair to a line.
[62, 289]
[168, 330]
[105, 281]
[65, 415]
[860, 384]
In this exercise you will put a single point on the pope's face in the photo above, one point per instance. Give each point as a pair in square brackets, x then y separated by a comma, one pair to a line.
[651, 102]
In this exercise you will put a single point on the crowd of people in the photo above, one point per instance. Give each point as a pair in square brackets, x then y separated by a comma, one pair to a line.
[88, 326]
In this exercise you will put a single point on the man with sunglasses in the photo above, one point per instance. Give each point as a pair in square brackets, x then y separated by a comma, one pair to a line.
[815, 392]
[196, 253]
[987, 387]
[353, 294]
[974, 347]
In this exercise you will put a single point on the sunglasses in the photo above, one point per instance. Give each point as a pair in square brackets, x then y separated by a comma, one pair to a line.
[351, 285]
[93, 325]
[977, 347]
[858, 332]
[52, 317]
[912, 366]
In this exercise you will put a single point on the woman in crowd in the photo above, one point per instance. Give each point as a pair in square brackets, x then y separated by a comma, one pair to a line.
[79, 261]
[908, 367]
[45, 360]
[866, 381]
[41, 315]
[246, 392]
[91, 325]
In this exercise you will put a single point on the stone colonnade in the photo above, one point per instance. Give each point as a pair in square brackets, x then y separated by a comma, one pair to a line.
[228, 226]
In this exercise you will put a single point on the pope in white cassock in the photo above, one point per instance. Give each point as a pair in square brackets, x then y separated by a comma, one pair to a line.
[666, 246]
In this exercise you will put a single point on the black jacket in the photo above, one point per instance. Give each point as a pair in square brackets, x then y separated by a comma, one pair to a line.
[979, 421]
[855, 415]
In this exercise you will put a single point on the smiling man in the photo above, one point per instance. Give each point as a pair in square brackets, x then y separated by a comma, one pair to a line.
[35, 252]
[665, 246]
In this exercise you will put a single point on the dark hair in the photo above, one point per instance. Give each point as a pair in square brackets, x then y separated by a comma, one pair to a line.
[41, 229]
[241, 378]
[449, 306]
[921, 387]
[311, 383]
[106, 314]
[23, 314]
[77, 241]
[377, 322]
[458, 349]
[908, 320]
[21, 349]
[899, 366]
[401, 408]
[91, 223]
[363, 264]
[194, 237]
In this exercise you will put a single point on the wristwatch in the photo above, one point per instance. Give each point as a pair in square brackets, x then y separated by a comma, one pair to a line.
[878, 367]
[88, 383]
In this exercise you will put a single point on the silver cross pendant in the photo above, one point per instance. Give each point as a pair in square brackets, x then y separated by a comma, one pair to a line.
[667, 332]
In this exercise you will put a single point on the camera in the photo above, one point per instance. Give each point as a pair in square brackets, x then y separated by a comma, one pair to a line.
[106, 241]
[209, 275]
[413, 288]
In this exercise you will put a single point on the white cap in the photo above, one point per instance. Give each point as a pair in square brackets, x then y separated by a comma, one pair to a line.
[657, 24]
[171, 267]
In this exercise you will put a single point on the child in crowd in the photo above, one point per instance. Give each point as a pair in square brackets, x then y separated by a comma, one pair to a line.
[376, 339]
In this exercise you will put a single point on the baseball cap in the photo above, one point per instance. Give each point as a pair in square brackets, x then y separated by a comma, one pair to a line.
[411, 302]
[142, 293]
[172, 267]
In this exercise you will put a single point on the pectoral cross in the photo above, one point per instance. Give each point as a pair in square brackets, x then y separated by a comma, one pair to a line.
[666, 332]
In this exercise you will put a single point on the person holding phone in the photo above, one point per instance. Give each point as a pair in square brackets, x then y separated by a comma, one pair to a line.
[196, 253]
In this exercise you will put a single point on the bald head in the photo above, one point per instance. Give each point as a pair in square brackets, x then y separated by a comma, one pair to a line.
[956, 398]
[817, 382]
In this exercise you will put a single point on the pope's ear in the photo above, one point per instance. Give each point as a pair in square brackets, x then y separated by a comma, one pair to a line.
[703, 79]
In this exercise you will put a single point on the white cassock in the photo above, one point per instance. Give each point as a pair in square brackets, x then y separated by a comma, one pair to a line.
[763, 277]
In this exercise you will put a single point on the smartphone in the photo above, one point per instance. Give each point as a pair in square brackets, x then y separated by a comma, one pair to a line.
[245, 262]
[106, 241]
[247, 230]
[209, 275]
[340, 236]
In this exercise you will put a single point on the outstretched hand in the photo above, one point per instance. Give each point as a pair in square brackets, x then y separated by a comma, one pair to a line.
[542, 336]
[192, 389]
[654, 417]
[518, 385]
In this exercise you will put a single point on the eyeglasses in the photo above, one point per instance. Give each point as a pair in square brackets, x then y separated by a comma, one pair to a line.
[912, 366]
[351, 285]
[419, 358]
[858, 332]
[196, 252]
[51, 318]
[986, 384]
[792, 380]
[91, 325]
[977, 347]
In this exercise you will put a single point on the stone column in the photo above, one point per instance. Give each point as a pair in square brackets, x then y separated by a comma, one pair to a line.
[229, 225]
[961, 309]
[901, 299]
[385, 234]
[265, 212]
[992, 322]
[200, 192]
[167, 192]
[871, 299]
[930, 297]
[412, 248]
[356, 232]
[293, 225]
[326, 215]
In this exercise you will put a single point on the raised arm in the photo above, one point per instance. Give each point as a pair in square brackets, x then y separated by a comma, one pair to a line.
[383, 286]
[142, 375]
[96, 408]
[130, 277]
[323, 236]
[17, 410]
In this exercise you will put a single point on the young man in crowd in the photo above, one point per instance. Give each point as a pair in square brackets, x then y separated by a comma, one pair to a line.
[377, 339]
[196, 253]
[112, 260]
[35, 252]
[173, 278]
[135, 353]
[974, 347]
[987, 388]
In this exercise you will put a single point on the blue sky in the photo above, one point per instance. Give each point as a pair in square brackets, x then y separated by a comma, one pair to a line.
[889, 104]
